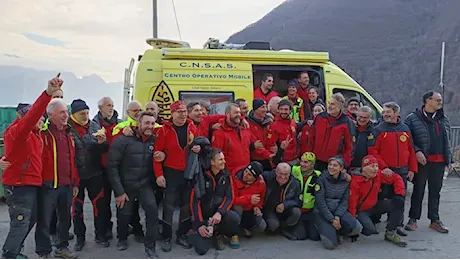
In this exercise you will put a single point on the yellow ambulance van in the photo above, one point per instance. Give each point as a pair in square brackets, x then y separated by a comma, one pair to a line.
[221, 73]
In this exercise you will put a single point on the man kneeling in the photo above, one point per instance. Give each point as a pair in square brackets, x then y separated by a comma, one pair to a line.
[364, 200]
[249, 190]
[211, 203]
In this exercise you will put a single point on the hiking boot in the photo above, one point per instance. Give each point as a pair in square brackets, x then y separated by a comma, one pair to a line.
[79, 244]
[394, 238]
[139, 238]
[183, 241]
[340, 239]
[166, 246]
[102, 242]
[411, 225]
[220, 242]
[65, 253]
[151, 252]
[235, 242]
[122, 245]
[401, 232]
[288, 235]
[247, 233]
[45, 256]
[439, 226]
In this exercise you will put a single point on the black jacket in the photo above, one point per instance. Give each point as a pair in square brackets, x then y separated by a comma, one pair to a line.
[130, 163]
[218, 197]
[331, 197]
[421, 135]
[363, 140]
[88, 153]
[292, 191]
[197, 164]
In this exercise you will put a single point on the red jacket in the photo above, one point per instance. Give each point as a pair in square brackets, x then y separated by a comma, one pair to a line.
[303, 140]
[259, 94]
[235, 143]
[259, 131]
[360, 187]
[49, 172]
[392, 146]
[331, 136]
[243, 192]
[206, 123]
[24, 147]
[281, 130]
[168, 142]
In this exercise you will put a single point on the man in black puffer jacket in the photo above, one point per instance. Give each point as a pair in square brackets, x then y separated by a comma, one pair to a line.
[130, 171]
[430, 130]
[89, 147]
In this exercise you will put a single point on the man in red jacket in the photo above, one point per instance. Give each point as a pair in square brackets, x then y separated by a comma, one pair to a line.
[107, 117]
[284, 130]
[259, 124]
[173, 140]
[249, 196]
[265, 91]
[332, 133]
[393, 147]
[60, 181]
[22, 179]
[364, 202]
[204, 123]
[234, 140]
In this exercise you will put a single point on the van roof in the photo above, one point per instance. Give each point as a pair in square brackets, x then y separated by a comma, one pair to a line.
[240, 55]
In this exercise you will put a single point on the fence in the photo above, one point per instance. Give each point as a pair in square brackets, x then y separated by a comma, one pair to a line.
[455, 143]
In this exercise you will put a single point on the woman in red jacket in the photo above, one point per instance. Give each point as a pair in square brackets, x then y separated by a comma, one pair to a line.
[305, 127]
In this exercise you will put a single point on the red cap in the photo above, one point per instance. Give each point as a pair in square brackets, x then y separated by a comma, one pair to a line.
[179, 104]
[368, 160]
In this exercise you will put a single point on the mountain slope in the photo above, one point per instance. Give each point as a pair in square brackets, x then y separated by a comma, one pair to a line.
[392, 48]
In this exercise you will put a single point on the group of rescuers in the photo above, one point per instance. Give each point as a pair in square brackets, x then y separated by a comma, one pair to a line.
[311, 171]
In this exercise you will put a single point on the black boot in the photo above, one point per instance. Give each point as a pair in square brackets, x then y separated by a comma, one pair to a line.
[79, 244]
[166, 247]
[183, 241]
[151, 252]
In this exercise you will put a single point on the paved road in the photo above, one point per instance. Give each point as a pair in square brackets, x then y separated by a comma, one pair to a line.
[424, 243]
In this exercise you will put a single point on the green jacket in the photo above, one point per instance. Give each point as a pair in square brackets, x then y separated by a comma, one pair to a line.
[308, 188]
[297, 109]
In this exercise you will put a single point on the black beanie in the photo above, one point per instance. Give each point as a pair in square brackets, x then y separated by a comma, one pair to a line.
[353, 99]
[78, 105]
[257, 102]
[255, 168]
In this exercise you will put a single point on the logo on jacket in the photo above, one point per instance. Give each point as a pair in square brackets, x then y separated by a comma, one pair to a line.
[293, 129]
[151, 148]
[317, 187]
[370, 137]
[190, 138]
[403, 138]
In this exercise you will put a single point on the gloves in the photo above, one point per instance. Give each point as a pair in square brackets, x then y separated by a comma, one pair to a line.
[398, 201]
[354, 238]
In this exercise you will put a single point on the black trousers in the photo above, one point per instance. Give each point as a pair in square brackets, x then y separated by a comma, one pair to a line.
[228, 227]
[250, 221]
[383, 206]
[306, 228]
[52, 200]
[329, 235]
[433, 173]
[146, 198]
[95, 188]
[107, 200]
[289, 218]
[177, 191]
[22, 208]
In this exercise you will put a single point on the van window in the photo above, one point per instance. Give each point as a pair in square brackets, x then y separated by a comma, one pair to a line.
[348, 94]
[218, 100]
[282, 74]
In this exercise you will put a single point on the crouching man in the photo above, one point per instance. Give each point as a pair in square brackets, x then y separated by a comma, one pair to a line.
[331, 202]
[282, 203]
[130, 172]
[210, 206]
[249, 189]
[364, 202]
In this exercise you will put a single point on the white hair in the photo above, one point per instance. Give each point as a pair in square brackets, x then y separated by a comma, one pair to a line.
[272, 101]
[283, 166]
[53, 103]
[101, 102]
[134, 102]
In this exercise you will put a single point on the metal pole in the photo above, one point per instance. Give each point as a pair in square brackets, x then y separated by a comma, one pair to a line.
[155, 18]
[443, 52]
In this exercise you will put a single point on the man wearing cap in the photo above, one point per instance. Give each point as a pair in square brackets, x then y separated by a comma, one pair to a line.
[297, 111]
[282, 133]
[90, 144]
[259, 124]
[353, 106]
[22, 179]
[282, 204]
[249, 191]
[174, 139]
[307, 176]
[365, 202]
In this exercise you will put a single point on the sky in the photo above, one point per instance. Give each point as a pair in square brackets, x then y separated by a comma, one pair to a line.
[100, 37]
